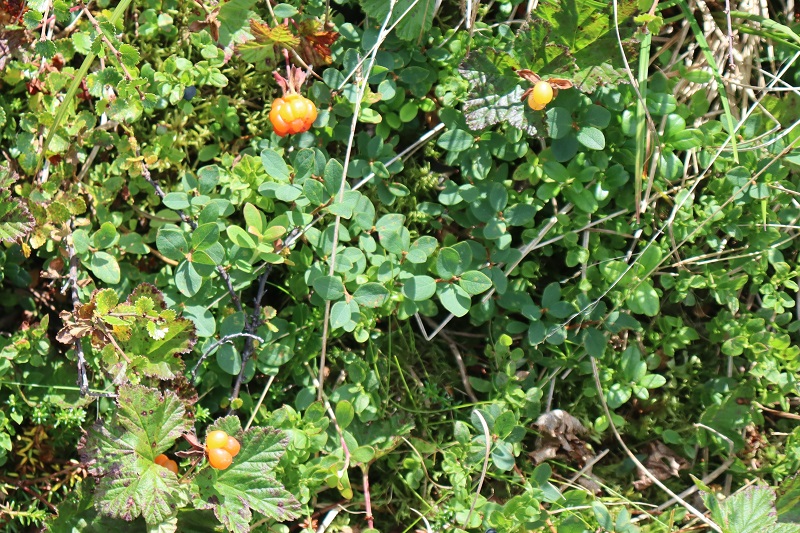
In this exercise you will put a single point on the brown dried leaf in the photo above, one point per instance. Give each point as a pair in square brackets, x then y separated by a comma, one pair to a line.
[662, 462]
[315, 43]
[560, 431]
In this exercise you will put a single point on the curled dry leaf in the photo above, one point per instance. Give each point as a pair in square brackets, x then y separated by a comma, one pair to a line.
[662, 462]
[561, 431]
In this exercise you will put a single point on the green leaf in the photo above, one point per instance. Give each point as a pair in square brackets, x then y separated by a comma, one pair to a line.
[475, 282]
[341, 315]
[574, 39]
[229, 359]
[176, 200]
[106, 236]
[152, 336]
[205, 235]
[284, 11]
[129, 55]
[171, 241]
[16, 222]
[419, 288]
[234, 19]
[274, 165]
[344, 413]
[751, 510]
[652, 381]
[315, 192]
[448, 263]
[617, 395]
[559, 122]
[329, 287]
[249, 483]
[187, 279]
[591, 138]
[125, 110]
[122, 452]
[371, 295]
[644, 300]
[105, 267]
[455, 299]
[240, 237]
[455, 140]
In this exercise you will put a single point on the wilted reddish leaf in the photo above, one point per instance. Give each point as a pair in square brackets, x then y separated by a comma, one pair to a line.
[315, 43]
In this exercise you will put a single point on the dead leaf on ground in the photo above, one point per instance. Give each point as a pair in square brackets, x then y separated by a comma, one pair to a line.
[662, 462]
[561, 431]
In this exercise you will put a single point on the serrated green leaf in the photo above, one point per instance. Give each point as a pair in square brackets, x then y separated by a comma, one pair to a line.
[16, 222]
[249, 484]
[152, 336]
[122, 451]
[572, 39]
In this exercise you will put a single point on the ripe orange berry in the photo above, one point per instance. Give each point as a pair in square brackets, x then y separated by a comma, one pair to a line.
[216, 439]
[541, 95]
[171, 466]
[219, 458]
[232, 447]
[294, 113]
[161, 459]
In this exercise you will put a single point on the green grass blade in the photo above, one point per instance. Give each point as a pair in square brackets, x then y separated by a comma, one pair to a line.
[701, 41]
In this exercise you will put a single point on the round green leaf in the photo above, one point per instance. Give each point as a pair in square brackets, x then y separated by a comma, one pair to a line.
[447, 263]
[455, 140]
[475, 282]
[275, 165]
[559, 122]
[419, 288]
[329, 287]
[371, 295]
[653, 381]
[172, 243]
[187, 279]
[591, 138]
[644, 300]
[341, 316]
[229, 359]
[105, 267]
[205, 235]
[344, 413]
[455, 299]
